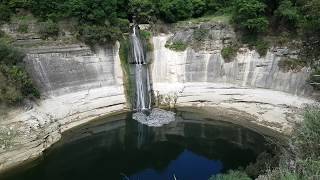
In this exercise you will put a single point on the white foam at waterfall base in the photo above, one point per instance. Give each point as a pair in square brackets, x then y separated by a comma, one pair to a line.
[157, 117]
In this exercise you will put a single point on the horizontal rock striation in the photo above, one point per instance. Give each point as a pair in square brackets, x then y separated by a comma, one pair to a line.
[203, 62]
[60, 70]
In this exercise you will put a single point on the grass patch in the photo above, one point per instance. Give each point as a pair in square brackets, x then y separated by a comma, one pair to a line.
[177, 46]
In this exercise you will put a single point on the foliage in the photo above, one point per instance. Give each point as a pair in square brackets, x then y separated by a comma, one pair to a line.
[177, 46]
[231, 175]
[218, 6]
[48, 29]
[15, 84]
[229, 53]
[5, 13]
[288, 13]
[146, 37]
[128, 83]
[99, 34]
[23, 27]
[95, 12]
[175, 10]
[306, 139]
[249, 15]
[262, 47]
[198, 7]
[289, 64]
[302, 158]
[145, 11]
[200, 34]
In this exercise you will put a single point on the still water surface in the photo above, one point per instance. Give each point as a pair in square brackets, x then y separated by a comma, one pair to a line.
[118, 147]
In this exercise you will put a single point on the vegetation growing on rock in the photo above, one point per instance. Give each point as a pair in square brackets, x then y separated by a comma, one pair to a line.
[176, 46]
[290, 64]
[229, 53]
[15, 84]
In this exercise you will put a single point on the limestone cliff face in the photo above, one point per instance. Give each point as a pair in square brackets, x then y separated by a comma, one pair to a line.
[202, 62]
[60, 70]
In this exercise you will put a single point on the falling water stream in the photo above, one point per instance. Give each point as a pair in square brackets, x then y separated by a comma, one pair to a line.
[145, 115]
[143, 90]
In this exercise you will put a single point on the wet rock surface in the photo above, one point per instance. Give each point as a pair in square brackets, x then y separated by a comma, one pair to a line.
[156, 118]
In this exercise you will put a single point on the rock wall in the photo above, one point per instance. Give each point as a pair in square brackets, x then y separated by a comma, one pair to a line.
[59, 70]
[205, 64]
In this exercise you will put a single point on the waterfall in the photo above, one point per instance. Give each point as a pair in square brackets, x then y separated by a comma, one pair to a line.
[155, 117]
[143, 88]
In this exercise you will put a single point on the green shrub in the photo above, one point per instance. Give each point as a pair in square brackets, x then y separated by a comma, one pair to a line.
[199, 7]
[5, 13]
[175, 10]
[15, 84]
[122, 24]
[146, 34]
[200, 34]
[99, 34]
[256, 42]
[229, 53]
[128, 83]
[287, 64]
[177, 46]
[249, 15]
[231, 175]
[306, 138]
[48, 29]
[288, 14]
[146, 37]
[262, 47]
[144, 10]
[23, 28]
[9, 55]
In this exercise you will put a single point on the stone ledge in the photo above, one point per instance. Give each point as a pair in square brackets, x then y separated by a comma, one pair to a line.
[276, 110]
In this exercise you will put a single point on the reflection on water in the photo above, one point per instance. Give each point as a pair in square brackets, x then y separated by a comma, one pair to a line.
[121, 148]
[188, 165]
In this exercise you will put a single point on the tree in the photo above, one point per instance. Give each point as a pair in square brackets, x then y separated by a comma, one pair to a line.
[199, 7]
[288, 14]
[175, 10]
[93, 11]
[249, 15]
[143, 10]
